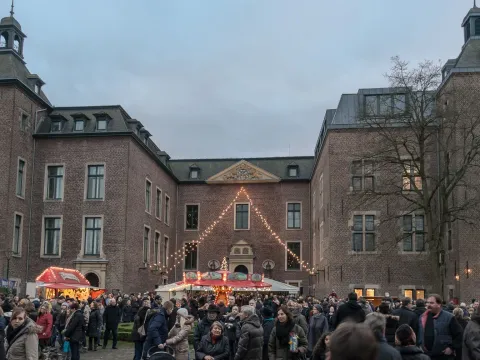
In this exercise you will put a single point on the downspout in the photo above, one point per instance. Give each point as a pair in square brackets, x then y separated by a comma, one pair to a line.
[31, 196]
[440, 206]
[176, 226]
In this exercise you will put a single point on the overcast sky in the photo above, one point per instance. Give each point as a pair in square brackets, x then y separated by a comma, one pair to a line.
[229, 78]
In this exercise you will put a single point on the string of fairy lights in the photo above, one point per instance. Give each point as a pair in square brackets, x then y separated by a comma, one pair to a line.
[179, 255]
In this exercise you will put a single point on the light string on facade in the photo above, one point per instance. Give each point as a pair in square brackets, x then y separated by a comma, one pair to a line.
[180, 255]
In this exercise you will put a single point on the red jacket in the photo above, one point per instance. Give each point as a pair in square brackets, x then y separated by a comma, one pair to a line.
[46, 322]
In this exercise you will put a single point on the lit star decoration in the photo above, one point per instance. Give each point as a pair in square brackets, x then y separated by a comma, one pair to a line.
[179, 255]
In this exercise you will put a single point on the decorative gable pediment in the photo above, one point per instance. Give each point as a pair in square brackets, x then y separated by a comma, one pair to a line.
[243, 172]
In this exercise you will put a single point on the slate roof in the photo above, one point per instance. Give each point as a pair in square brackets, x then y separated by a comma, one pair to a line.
[13, 68]
[276, 165]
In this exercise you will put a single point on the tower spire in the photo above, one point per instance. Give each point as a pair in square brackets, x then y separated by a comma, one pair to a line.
[11, 9]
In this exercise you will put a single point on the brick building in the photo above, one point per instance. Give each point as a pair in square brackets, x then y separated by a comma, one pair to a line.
[86, 187]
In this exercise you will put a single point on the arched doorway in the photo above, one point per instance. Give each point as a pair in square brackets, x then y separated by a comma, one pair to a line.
[93, 279]
[241, 269]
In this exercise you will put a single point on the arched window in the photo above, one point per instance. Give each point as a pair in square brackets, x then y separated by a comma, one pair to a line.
[245, 251]
[236, 251]
[477, 26]
[3, 40]
[16, 43]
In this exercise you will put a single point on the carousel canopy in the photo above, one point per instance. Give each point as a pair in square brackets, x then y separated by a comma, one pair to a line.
[224, 278]
[60, 278]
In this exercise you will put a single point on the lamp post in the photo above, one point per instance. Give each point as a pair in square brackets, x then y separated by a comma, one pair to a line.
[8, 256]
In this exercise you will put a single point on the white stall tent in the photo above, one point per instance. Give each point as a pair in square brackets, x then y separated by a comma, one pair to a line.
[177, 291]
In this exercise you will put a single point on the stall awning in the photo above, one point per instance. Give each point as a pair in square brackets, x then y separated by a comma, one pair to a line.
[61, 278]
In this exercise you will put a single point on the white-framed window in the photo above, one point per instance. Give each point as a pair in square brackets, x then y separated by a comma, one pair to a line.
[17, 234]
[242, 216]
[56, 126]
[363, 175]
[96, 182]
[37, 89]
[158, 204]
[156, 247]
[193, 174]
[191, 256]
[54, 182]
[293, 256]
[146, 244]
[320, 185]
[93, 234]
[102, 124]
[293, 171]
[411, 178]
[385, 104]
[164, 250]
[167, 209]
[24, 121]
[192, 213]
[21, 177]
[79, 125]
[148, 196]
[413, 233]
[52, 236]
[363, 235]
[294, 215]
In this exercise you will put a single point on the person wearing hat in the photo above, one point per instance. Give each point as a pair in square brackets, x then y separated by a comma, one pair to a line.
[203, 326]
[405, 339]
[268, 324]
[318, 325]
[178, 335]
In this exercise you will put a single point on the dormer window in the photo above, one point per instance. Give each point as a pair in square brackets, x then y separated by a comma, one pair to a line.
[293, 171]
[37, 89]
[145, 140]
[79, 125]
[56, 126]
[194, 174]
[101, 124]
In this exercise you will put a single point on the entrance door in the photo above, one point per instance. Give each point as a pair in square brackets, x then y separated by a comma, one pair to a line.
[241, 269]
[93, 279]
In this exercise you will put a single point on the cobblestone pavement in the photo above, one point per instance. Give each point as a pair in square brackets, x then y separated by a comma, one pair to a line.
[124, 352]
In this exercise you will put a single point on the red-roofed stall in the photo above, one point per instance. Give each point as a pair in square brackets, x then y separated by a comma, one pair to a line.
[71, 282]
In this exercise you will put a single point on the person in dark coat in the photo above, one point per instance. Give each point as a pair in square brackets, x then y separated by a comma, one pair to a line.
[203, 327]
[420, 307]
[111, 319]
[172, 317]
[127, 310]
[214, 345]
[94, 325]
[157, 330]
[471, 338]
[350, 310]
[250, 344]
[391, 323]
[321, 348]
[268, 324]
[74, 330]
[406, 315]
[317, 327]
[406, 340]
[232, 330]
[138, 321]
[377, 323]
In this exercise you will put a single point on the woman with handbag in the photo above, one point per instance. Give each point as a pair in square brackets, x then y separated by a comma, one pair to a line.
[178, 335]
[139, 331]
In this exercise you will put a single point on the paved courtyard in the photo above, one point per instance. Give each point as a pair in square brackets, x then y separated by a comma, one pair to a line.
[124, 352]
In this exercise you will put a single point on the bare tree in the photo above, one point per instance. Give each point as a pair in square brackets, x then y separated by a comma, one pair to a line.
[426, 153]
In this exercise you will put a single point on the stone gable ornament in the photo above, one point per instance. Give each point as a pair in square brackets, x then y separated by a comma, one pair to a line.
[243, 172]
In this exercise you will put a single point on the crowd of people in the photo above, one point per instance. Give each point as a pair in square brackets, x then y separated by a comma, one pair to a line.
[245, 328]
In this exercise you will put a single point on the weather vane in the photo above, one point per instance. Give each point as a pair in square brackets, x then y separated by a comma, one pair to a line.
[11, 10]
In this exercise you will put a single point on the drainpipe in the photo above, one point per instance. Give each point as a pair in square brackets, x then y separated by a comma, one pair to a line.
[31, 196]
[176, 227]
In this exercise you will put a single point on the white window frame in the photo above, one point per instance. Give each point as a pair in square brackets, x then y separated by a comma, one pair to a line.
[42, 242]
[159, 204]
[159, 246]
[286, 255]
[20, 241]
[196, 172]
[376, 223]
[45, 182]
[235, 216]
[198, 256]
[24, 178]
[82, 247]
[165, 237]
[27, 121]
[75, 121]
[145, 226]
[166, 219]
[185, 217]
[410, 177]
[148, 209]
[85, 192]
[286, 215]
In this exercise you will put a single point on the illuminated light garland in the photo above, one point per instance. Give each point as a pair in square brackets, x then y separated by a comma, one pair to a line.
[179, 255]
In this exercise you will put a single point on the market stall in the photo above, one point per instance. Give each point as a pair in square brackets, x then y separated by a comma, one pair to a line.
[55, 281]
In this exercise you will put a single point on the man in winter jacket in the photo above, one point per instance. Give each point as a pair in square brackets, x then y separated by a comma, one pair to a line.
[377, 324]
[111, 319]
[298, 318]
[250, 344]
[420, 307]
[157, 328]
[407, 316]
[203, 327]
[350, 310]
[268, 324]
